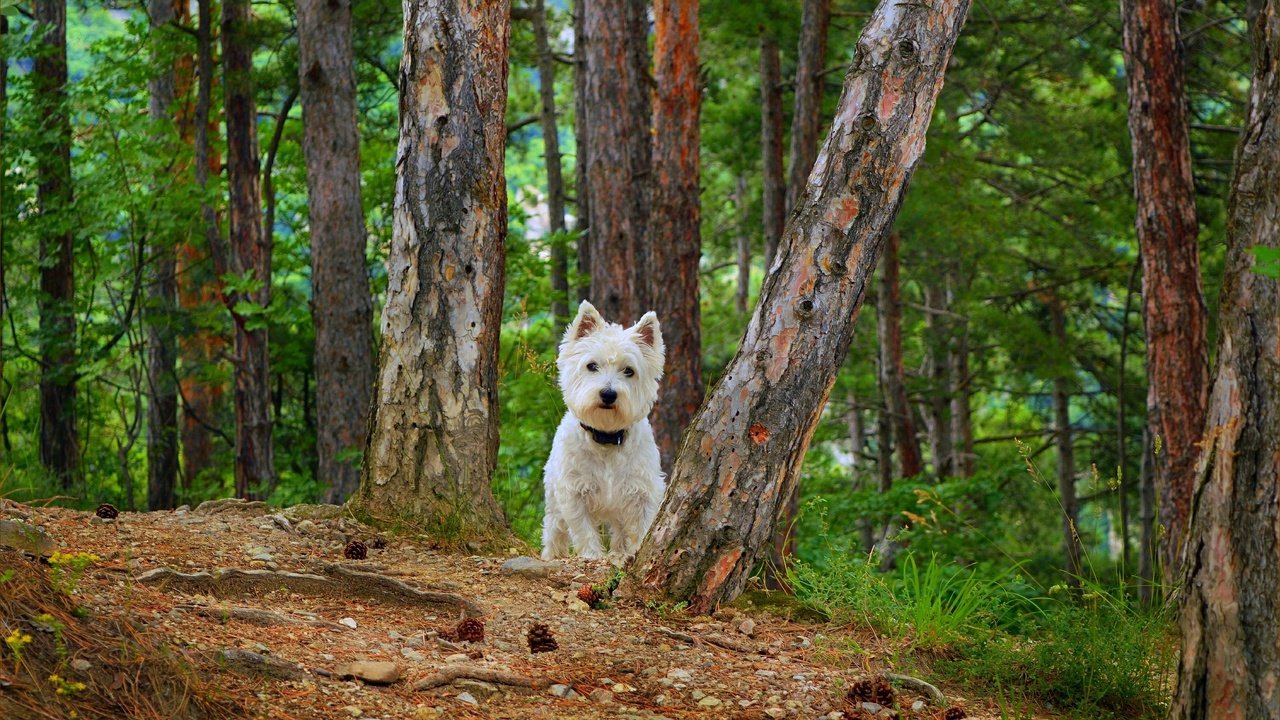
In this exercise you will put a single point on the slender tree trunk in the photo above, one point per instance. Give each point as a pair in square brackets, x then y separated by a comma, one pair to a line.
[59, 443]
[1122, 453]
[1230, 609]
[161, 314]
[742, 298]
[806, 123]
[551, 158]
[891, 368]
[1066, 451]
[675, 244]
[433, 445]
[617, 120]
[582, 160]
[962, 455]
[742, 454]
[341, 302]
[4, 123]
[1147, 521]
[936, 366]
[249, 258]
[1177, 349]
[775, 187]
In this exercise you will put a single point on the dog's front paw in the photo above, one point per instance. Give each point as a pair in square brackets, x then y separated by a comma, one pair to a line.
[591, 554]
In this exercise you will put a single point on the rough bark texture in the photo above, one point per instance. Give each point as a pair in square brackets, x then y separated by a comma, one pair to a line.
[962, 456]
[341, 303]
[773, 181]
[742, 453]
[4, 118]
[674, 240]
[742, 294]
[59, 444]
[616, 125]
[581, 161]
[551, 158]
[249, 256]
[1177, 350]
[1066, 451]
[806, 123]
[892, 374]
[1230, 610]
[1147, 522]
[161, 315]
[938, 370]
[433, 445]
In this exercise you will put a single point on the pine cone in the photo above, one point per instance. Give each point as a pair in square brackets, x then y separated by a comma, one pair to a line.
[541, 640]
[355, 550]
[378, 543]
[874, 690]
[107, 511]
[470, 630]
[592, 596]
[955, 712]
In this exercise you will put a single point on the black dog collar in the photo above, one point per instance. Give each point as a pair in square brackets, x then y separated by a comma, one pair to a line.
[605, 438]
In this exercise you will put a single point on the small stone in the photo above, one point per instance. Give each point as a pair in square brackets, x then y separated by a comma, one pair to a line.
[529, 567]
[353, 711]
[282, 522]
[709, 701]
[81, 664]
[697, 694]
[457, 658]
[425, 713]
[887, 714]
[835, 715]
[602, 696]
[679, 674]
[349, 622]
[872, 708]
[659, 699]
[25, 537]
[306, 527]
[918, 706]
[373, 672]
[477, 687]
[748, 627]
[578, 606]
[563, 691]
[263, 556]
[182, 510]
[468, 698]
[766, 673]
[622, 688]
[775, 712]
[411, 655]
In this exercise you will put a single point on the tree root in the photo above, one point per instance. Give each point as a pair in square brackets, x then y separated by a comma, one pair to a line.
[245, 661]
[374, 585]
[917, 685]
[256, 616]
[213, 507]
[682, 637]
[718, 639]
[447, 675]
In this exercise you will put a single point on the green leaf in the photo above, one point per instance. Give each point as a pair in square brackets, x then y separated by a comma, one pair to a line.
[1268, 259]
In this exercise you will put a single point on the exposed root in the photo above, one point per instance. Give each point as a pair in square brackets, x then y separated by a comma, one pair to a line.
[917, 685]
[373, 585]
[728, 643]
[256, 616]
[682, 637]
[449, 674]
[252, 663]
[213, 507]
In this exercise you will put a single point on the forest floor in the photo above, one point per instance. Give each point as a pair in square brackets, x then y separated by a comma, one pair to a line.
[272, 642]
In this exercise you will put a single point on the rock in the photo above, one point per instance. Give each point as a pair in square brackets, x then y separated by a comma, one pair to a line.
[282, 522]
[563, 691]
[468, 698]
[709, 701]
[373, 672]
[477, 687]
[529, 567]
[887, 714]
[412, 655]
[872, 708]
[25, 537]
[748, 627]
[679, 675]
[834, 715]
[918, 706]
[766, 674]
[349, 622]
[306, 527]
[262, 556]
[775, 712]
[602, 696]
[353, 711]
[578, 606]
[622, 688]
[457, 658]
[81, 664]
[697, 694]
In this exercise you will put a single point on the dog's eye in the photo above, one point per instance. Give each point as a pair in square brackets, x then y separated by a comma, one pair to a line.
[592, 367]
[628, 372]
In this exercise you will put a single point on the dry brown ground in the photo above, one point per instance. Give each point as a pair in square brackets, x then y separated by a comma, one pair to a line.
[621, 662]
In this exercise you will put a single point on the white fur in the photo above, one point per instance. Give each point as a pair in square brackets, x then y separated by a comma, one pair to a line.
[588, 484]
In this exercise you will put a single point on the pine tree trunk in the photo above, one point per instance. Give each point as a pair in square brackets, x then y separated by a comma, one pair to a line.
[742, 454]
[891, 367]
[938, 370]
[581, 157]
[962, 455]
[433, 446]
[4, 121]
[249, 257]
[1177, 349]
[551, 158]
[161, 316]
[742, 296]
[59, 443]
[617, 122]
[341, 302]
[775, 188]
[1147, 523]
[1230, 609]
[675, 244]
[1066, 451]
[806, 123]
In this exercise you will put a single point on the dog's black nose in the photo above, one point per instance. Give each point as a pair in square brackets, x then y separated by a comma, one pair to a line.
[608, 395]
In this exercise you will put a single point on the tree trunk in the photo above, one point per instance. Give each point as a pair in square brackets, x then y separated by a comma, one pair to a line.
[675, 245]
[551, 158]
[581, 157]
[1177, 349]
[742, 454]
[433, 445]
[1147, 521]
[1066, 451]
[892, 373]
[4, 122]
[962, 456]
[1230, 609]
[161, 315]
[341, 303]
[59, 444]
[806, 123]
[249, 257]
[938, 330]
[775, 188]
[616, 98]
[742, 296]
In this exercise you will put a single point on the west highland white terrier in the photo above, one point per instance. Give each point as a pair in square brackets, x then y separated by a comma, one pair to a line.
[604, 467]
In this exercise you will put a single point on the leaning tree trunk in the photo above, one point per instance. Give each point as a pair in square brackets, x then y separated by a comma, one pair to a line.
[806, 122]
[433, 445]
[1230, 609]
[892, 373]
[1177, 349]
[616, 125]
[551, 159]
[59, 444]
[674, 241]
[341, 302]
[742, 454]
[772, 178]
[249, 257]
[161, 313]
[1066, 451]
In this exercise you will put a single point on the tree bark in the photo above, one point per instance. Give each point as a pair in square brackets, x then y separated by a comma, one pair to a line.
[806, 123]
[1177, 349]
[1230, 608]
[893, 376]
[4, 122]
[581, 159]
[742, 296]
[249, 257]
[1066, 451]
[551, 158]
[775, 187]
[674, 240]
[161, 314]
[341, 303]
[1147, 521]
[59, 443]
[962, 455]
[742, 454]
[617, 122]
[433, 445]
[938, 369]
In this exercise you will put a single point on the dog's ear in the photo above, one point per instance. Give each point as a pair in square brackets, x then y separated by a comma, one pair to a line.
[648, 336]
[587, 321]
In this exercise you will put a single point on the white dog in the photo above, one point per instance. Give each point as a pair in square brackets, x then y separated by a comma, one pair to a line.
[604, 467]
